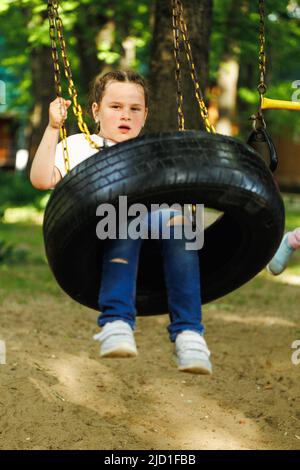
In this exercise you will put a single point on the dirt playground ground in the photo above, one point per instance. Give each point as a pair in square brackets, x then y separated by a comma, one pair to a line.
[55, 393]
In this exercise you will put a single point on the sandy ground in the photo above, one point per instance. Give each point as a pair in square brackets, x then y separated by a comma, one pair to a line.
[55, 392]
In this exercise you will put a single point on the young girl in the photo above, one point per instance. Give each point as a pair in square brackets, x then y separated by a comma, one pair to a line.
[289, 243]
[119, 105]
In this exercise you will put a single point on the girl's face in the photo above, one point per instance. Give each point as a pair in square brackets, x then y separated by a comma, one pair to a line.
[122, 112]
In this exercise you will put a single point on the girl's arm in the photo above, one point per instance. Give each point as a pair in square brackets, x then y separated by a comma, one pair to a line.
[43, 173]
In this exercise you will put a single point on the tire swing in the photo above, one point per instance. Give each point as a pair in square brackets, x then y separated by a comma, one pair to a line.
[183, 167]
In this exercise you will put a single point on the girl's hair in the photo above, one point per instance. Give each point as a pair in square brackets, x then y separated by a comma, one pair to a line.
[100, 82]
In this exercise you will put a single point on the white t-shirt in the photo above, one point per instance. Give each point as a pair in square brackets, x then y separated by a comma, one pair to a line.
[79, 150]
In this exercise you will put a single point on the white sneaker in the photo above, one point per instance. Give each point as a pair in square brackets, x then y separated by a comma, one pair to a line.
[192, 353]
[281, 258]
[117, 340]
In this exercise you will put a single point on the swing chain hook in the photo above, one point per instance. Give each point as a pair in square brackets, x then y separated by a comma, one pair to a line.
[258, 121]
[258, 118]
[259, 136]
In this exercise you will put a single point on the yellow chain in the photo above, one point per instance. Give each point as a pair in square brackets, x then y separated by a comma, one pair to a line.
[178, 20]
[179, 24]
[262, 87]
[175, 23]
[52, 31]
[203, 110]
[258, 118]
[56, 27]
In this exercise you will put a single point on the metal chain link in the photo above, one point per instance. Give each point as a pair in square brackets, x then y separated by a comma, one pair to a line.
[176, 50]
[262, 87]
[198, 93]
[52, 12]
[258, 118]
[56, 36]
[178, 20]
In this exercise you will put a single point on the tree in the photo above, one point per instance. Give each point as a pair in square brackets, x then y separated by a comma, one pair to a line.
[228, 72]
[102, 35]
[87, 25]
[163, 114]
[235, 37]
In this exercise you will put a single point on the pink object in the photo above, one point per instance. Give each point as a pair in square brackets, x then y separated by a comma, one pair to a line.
[294, 238]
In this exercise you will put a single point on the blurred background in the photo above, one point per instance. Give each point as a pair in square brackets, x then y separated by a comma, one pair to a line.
[102, 35]
[55, 393]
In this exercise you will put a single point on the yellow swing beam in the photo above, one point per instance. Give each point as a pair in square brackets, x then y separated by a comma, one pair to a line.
[268, 103]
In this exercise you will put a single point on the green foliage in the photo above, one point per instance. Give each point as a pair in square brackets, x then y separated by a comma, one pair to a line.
[16, 191]
[237, 32]
[6, 250]
[24, 27]
[2, 213]
[10, 253]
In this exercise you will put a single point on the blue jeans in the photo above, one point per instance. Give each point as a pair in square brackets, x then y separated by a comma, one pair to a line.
[181, 269]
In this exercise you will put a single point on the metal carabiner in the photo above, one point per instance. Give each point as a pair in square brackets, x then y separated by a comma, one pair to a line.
[260, 141]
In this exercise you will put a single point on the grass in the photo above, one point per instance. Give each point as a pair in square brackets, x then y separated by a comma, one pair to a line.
[55, 382]
[29, 273]
[22, 227]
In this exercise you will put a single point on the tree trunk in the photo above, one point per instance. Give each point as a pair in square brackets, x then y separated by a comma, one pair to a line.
[43, 93]
[228, 74]
[227, 83]
[91, 28]
[163, 110]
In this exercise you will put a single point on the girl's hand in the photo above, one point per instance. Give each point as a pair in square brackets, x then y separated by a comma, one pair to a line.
[58, 112]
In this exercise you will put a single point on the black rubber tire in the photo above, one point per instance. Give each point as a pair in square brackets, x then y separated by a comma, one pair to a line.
[183, 167]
